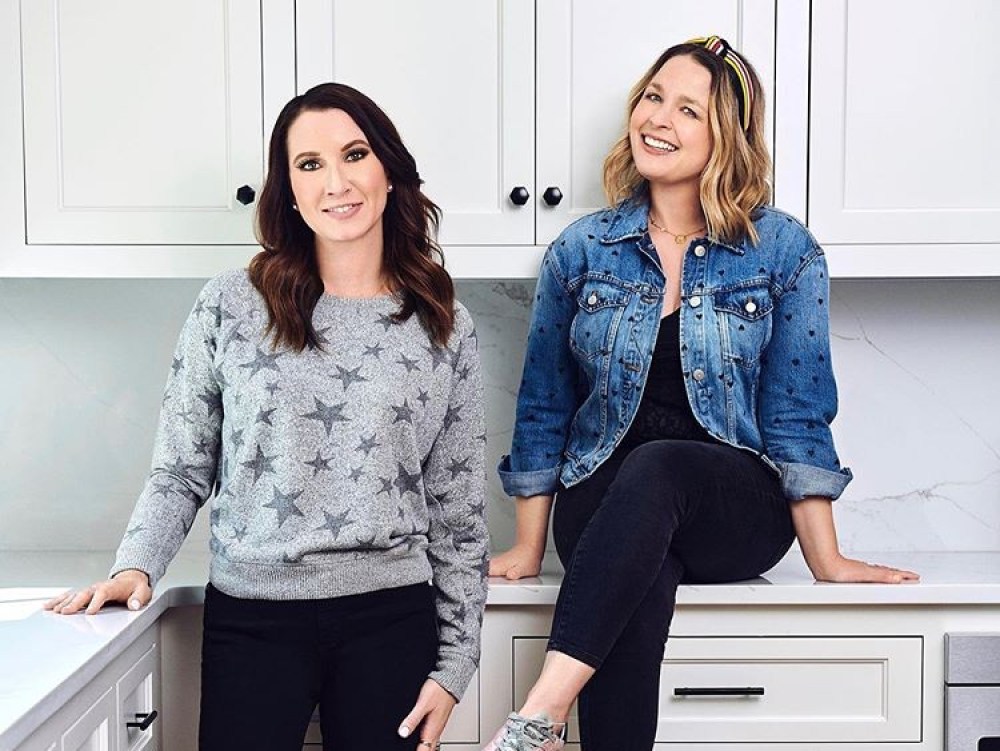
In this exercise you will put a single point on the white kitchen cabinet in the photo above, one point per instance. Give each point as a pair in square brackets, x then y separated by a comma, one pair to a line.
[456, 78]
[130, 128]
[787, 689]
[95, 730]
[846, 678]
[133, 133]
[509, 95]
[96, 718]
[141, 121]
[902, 135]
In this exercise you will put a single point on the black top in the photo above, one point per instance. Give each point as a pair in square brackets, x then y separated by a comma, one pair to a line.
[664, 411]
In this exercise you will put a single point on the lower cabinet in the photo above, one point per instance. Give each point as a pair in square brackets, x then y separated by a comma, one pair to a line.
[117, 711]
[733, 679]
[778, 690]
[735, 691]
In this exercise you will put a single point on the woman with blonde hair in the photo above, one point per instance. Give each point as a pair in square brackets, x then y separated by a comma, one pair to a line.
[676, 399]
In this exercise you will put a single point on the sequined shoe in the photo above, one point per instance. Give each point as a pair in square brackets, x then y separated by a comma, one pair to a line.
[536, 733]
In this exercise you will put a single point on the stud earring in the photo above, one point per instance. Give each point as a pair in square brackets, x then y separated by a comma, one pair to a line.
[295, 206]
[389, 189]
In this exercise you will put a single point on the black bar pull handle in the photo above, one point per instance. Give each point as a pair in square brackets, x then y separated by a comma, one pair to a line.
[145, 719]
[719, 691]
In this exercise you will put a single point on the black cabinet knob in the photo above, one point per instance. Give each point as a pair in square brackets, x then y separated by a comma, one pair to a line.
[245, 195]
[519, 196]
[144, 719]
[552, 196]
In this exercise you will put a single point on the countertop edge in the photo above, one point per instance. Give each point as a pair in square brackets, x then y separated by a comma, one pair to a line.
[28, 723]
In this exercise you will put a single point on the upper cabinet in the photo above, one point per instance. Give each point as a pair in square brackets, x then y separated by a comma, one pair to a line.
[902, 135]
[456, 78]
[134, 134]
[143, 122]
[509, 106]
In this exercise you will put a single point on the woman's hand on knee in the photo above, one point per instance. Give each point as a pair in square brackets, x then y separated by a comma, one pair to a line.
[429, 715]
[130, 587]
[521, 560]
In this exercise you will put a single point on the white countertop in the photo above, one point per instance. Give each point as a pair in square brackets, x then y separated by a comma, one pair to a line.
[45, 658]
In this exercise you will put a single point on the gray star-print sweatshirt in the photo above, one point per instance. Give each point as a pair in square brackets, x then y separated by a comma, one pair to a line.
[356, 468]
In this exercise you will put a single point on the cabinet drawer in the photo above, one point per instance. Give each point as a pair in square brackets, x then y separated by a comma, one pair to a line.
[808, 689]
[814, 689]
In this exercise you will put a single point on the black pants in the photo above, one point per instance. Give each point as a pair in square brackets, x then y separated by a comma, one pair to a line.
[648, 519]
[267, 664]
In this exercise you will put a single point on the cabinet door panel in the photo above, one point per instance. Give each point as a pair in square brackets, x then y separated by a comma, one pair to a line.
[815, 689]
[94, 730]
[457, 79]
[138, 696]
[141, 120]
[590, 53]
[901, 134]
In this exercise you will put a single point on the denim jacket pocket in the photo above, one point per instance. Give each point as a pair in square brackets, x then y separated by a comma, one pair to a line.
[744, 314]
[600, 304]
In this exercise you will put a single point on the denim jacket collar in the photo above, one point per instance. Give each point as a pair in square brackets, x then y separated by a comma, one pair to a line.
[629, 222]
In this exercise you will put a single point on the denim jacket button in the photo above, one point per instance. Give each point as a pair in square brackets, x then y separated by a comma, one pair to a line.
[699, 250]
[750, 307]
[695, 301]
[592, 300]
[698, 374]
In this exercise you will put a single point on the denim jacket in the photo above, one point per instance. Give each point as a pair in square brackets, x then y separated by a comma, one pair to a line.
[755, 350]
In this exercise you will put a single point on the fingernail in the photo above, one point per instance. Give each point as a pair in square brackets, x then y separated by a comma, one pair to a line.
[404, 732]
[134, 604]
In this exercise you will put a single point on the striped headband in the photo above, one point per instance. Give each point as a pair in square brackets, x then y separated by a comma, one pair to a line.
[738, 70]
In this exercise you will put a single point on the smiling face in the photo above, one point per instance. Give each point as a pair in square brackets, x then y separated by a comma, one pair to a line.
[669, 132]
[340, 186]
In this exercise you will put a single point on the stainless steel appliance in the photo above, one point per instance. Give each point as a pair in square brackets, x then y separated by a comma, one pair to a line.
[972, 692]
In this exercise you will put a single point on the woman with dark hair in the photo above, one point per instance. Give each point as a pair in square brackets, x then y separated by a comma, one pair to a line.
[676, 400]
[328, 403]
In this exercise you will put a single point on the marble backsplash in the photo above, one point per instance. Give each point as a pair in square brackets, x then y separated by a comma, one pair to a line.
[82, 366]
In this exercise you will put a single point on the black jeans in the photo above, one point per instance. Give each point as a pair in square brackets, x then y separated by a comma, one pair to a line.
[647, 520]
[267, 664]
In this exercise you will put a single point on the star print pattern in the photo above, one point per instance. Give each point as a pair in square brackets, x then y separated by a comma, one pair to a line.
[284, 504]
[332, 454]
[347, 377]
[409, 364]
[260, 464]
[367, 444]
[406, 482]
[263, 361]
[403, 413]
[318, 464]
[335, 522]
[327, 414]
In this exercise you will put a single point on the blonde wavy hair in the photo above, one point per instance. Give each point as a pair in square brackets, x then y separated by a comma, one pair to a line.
[736, 180]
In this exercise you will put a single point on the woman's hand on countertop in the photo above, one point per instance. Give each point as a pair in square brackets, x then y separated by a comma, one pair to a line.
[130, 586]
[845, 570]
[520, 561]
[814, 526]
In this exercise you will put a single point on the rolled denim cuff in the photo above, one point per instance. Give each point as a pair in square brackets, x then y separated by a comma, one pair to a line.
[800, 481]
[533, 482]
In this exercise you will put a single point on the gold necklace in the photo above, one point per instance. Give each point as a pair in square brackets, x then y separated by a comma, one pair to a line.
[679, 239]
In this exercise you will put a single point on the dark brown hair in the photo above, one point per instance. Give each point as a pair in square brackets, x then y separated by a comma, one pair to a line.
[285, 272]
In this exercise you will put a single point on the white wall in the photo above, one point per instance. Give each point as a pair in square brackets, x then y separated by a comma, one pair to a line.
[82, 366]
